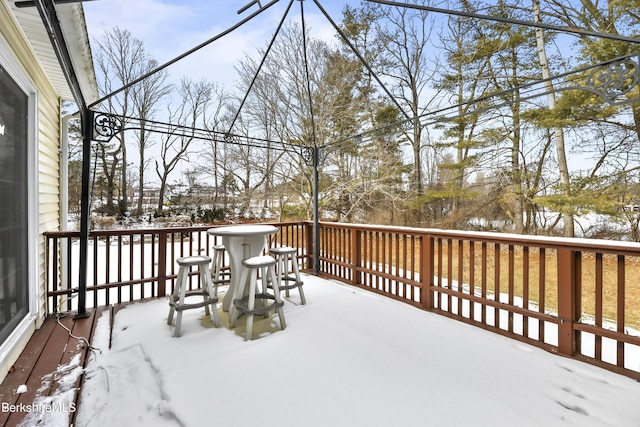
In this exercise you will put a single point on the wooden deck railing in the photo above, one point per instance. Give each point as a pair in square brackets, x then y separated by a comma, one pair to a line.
[133, 264]
[576, 297]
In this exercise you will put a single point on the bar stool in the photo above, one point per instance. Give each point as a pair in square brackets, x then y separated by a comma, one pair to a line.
[284, 255]
[247, 304]
[177, 303]
[219, 276]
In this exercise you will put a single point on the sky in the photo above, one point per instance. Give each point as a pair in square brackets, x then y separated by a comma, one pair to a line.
[169, 28]
[348, 357]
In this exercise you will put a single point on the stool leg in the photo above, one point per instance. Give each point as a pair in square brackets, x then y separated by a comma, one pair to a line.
[205, 288]
[282, 271]
[296, 271]
[265, 280]
[205, 278]
[276, 294]
[214, 267]
[182, 280]
[286, 273]
[173, 298]
[217, 269]
[251, 305]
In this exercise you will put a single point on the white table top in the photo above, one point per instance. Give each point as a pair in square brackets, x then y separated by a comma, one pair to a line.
[243, 230]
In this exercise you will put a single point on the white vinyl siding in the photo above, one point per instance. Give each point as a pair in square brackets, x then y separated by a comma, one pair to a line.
[44, 168]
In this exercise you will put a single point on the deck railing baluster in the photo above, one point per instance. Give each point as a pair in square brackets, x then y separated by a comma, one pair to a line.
[484, 283]
[131, 263]
[449, 275]
[439, 275]
[542, 298]
[598, 303]
[95, 269]
[460, 277]
[162, 264]
[511, 285]
[496, 284]
[525, 290]
[106, 263]
[620, 318]
[119, 261]
[472, 278]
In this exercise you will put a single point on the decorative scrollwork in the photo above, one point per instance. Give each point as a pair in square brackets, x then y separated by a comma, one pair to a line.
[616, 79]
[106, 126]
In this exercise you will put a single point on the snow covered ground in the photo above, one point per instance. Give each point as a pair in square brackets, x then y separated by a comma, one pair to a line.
[348, 357]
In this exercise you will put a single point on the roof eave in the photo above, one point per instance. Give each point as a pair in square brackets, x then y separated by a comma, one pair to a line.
[73, 24]
[74, 27]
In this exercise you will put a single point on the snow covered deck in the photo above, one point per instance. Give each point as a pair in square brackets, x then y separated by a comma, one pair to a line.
[47, 376]
[348, 357]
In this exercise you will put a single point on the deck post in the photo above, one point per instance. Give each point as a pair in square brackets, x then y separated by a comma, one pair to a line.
[312, 258]
[427, 271]
[162, 263]
[356, 255]
[569, 306]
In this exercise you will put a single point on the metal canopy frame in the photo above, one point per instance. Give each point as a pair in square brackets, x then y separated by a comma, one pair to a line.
[611, 80]
[108, 125]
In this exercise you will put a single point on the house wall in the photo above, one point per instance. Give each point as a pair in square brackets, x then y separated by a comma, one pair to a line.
[45, 200]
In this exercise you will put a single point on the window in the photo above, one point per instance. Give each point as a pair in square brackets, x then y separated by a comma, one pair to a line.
[14, 274]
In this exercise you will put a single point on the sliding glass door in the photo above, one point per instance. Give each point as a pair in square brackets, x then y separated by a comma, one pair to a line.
[14, 277]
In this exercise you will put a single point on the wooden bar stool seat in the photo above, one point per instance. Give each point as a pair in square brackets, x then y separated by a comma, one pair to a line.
[177, 302]
[246, 304]
[287, 270]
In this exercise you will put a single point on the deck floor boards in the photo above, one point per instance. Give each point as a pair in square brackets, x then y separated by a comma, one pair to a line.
[50, 347]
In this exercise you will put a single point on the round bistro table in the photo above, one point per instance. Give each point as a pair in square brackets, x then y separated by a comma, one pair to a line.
[241, 242]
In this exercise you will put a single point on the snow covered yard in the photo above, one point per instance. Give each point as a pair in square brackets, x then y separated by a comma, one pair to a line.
[348, 357]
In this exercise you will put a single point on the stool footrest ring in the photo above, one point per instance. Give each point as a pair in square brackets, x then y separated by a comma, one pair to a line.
[242, 304]
[181, 307]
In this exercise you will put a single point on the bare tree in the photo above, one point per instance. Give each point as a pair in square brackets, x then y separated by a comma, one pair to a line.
[261, 114]
[216, 122]
[146, 96]
[279, 109]
[120, 59]
[185, 118]
[404, 35]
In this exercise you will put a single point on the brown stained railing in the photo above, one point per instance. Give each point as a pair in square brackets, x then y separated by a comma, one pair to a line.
[569, 296]
[576, 297]
[130, 265]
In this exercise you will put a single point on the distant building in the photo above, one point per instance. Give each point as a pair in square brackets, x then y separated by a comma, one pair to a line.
[150, 197]
[196, 194]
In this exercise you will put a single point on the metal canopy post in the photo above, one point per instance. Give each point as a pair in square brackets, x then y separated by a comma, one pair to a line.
[315, 158]
[316, 210]
[49, 17]
[85, 208]
[311, 157]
